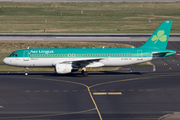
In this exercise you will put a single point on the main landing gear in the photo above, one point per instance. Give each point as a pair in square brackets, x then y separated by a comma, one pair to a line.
[26, 71]
[84, 72]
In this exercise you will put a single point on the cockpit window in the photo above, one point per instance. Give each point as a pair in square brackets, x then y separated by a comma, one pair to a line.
[13, 55]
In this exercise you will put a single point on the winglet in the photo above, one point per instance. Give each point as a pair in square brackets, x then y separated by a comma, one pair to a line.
[159, 38]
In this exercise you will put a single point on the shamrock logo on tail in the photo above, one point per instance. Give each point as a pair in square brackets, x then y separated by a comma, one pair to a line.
[160, 36]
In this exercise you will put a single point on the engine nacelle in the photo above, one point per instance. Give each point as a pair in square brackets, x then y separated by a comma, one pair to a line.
[63, 68]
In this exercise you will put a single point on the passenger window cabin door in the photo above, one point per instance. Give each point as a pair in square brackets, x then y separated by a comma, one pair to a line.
[71, 56]
[26, 55]
[139, 55]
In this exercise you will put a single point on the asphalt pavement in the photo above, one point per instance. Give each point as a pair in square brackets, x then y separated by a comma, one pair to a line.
[92, 0]
[114, 94]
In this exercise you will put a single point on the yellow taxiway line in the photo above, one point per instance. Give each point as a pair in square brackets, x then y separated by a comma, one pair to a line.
[99, 93]
[107, 93]
[114, 93]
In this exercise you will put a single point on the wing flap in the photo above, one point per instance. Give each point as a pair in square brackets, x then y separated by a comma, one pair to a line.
[92, 62]
[83, 60]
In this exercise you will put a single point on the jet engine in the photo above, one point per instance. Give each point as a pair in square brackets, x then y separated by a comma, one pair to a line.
[63, 68]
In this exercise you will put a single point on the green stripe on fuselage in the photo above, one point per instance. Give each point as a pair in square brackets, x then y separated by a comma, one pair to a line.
[87, 52]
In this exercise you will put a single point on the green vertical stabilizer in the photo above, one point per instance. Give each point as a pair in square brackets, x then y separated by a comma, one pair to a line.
[159, 38]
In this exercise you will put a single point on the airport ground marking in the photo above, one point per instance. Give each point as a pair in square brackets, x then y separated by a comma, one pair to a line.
[99, 93]
[94, 91]
[46, 90]
[166, 75]
[75, 91]
[55, 90]
[65, 90]
[88, 87]
[132, 79]
[94, 103]
[121, 90]
[82, 85]
[116, 81]
[103, 90]
[112, 90]
[27, 91]
[48, 115]
[114, 93]
[107, 93]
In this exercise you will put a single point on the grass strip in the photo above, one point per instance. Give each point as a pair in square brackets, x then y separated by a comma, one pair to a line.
[96, 17]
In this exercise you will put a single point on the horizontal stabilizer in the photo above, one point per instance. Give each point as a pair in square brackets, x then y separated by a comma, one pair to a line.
[163, 54]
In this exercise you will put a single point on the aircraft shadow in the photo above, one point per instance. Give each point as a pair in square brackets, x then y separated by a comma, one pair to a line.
[74, 74]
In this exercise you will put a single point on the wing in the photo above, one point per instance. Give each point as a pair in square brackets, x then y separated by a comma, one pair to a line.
[92, 62]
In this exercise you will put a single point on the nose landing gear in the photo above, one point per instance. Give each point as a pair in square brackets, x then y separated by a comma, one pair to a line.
[26, 71]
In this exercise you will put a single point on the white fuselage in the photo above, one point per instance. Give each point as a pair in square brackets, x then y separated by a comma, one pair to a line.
[50, 62]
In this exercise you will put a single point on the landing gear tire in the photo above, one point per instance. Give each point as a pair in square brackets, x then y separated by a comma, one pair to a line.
[26, 71]
[84, 73]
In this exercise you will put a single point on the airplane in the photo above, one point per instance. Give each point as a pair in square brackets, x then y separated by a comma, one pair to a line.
[67, 60]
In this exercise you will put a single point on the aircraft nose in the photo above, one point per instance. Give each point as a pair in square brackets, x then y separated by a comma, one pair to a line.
[5, 61]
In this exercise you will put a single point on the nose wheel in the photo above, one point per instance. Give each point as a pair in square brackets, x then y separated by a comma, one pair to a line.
[26, 71]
